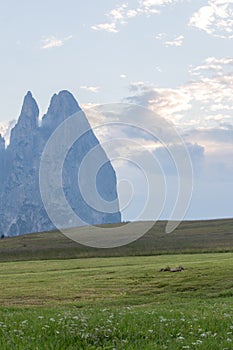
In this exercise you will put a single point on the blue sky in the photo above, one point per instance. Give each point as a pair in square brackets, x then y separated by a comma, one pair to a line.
[174, 57]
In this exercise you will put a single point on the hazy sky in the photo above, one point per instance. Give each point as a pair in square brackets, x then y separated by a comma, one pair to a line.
[174, 57]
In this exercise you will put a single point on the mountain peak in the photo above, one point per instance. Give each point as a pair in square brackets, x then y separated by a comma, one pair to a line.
[65, 94]
[27, 122]
[62, 106]
[29, 110]
[29, 94]
[65, 100]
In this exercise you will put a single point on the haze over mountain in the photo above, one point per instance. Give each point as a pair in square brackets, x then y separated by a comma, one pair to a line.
[21, 207]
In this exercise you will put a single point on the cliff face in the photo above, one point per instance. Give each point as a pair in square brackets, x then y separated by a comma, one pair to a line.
[21, 208]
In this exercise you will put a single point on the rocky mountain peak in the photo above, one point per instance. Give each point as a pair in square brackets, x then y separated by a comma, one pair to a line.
[29, 110]
[62, 105]
[27, 122]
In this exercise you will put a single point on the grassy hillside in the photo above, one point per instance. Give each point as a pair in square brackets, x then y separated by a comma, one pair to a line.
[189, 237]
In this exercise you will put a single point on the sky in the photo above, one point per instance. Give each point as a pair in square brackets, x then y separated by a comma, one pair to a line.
[173, 57]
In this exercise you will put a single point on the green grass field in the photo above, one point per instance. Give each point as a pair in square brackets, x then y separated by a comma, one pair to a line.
[57, 294]
[118, 303]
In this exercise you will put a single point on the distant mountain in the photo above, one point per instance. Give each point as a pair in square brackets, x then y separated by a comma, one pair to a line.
[21, 207]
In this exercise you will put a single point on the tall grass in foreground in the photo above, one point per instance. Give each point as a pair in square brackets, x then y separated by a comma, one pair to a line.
[198, 324]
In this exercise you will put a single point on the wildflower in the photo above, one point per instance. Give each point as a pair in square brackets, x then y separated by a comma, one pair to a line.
[180, 337]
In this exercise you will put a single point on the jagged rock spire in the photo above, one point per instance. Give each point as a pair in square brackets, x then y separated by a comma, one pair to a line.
[30, 111]
[28, 120]
[62, 105]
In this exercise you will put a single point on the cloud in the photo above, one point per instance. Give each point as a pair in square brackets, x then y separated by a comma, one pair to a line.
[123, 76]
[213, 65]
[223, 135]
[116, 17]
[176, 41]
[153, 6]
[108, 27]
[120, 15]
[202, 110]
[215, 19]
[218, 146]
[51, 42]
[204, 101]
[166, 102]
[135, 86]
[210, 147]
[5, 129]
[131, 13]
[160, 36]
[94, 89]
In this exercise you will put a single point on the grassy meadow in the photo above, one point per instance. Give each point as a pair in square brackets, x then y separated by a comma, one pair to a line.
[118, 303]
[58, 295]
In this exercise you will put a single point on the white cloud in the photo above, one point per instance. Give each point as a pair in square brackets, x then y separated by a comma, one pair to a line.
[205, 101]
[225, 61]
[175, 41]
[123, 76]
[216, 18]
[5, 130]
[51, 42]
[94, 89]
[119, 13]
[151, 3]
[108, 27]
[212, 65]
[122, 14]
[152, 6]
[116, 17]
[137, 85]
[131, 13]
[203, 18]
[160, 36]
[178, 41]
